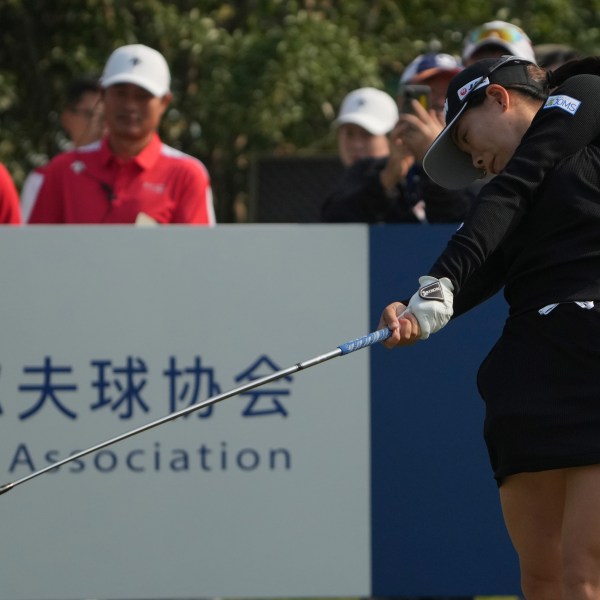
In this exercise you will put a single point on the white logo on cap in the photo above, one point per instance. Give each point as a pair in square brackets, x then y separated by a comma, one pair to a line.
[464, 91]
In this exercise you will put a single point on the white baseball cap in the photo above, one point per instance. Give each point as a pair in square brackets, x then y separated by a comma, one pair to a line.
[140, 65]
[507, 36]
[370, 108]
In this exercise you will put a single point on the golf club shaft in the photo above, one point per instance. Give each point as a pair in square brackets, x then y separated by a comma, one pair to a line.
[341, 350]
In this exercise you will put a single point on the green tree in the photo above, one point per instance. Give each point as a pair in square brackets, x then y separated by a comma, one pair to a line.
[253, 77]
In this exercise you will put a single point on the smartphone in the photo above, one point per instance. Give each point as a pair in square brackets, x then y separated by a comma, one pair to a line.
[409, 92]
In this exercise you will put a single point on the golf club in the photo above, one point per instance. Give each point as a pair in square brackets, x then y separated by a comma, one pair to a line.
[341, 350]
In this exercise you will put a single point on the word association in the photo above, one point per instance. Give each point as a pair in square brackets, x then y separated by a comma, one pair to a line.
[158, 459]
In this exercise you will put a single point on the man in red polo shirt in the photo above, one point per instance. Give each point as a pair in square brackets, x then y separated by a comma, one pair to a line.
[129, 176]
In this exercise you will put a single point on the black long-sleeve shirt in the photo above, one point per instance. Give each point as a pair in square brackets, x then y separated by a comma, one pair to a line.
[535, 228]
[360, 198]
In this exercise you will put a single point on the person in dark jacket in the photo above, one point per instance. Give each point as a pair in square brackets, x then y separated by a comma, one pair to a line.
[534, 230]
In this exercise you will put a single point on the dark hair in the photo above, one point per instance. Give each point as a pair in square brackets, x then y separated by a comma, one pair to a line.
[77, 88]
[548, 55]
[584, 66]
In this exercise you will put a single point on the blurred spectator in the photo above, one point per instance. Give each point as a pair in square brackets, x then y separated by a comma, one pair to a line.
[129, 176]
[366, 116]
[10, 213]
[434, 70]
[82, 120]
[496, 38]
[395, 189]
[418, 128]
[83, 115]
[552, 56]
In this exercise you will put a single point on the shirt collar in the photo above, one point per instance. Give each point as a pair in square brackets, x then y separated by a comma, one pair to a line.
[144, 160]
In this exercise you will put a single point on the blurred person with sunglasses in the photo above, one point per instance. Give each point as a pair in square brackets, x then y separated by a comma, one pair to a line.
[534, 230]
[82, 120]
[494, 39]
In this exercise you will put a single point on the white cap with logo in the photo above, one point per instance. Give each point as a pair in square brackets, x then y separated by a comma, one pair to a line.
[370, 108]
[139, 65]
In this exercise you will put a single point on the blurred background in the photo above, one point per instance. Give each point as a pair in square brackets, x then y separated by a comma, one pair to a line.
[252, 80]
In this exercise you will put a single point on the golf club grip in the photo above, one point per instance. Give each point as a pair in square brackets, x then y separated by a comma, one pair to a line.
[366, 340]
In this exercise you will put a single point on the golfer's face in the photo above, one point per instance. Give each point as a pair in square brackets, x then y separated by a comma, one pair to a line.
[490, 134]
[131, 111]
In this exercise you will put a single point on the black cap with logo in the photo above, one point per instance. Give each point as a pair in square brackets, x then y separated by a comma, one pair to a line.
[444, 163]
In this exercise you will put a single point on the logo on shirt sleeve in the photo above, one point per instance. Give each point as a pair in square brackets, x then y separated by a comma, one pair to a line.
[567, 103]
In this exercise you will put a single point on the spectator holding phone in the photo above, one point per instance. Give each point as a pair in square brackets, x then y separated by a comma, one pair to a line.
[395, 189]
[420, 121]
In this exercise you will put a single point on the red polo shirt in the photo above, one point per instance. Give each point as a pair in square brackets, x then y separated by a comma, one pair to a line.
[10, 210]
[92, 185]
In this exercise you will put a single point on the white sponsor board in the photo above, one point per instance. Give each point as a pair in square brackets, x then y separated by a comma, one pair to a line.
[107, 329]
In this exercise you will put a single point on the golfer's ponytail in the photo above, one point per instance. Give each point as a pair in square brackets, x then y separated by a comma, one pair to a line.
[588, 66]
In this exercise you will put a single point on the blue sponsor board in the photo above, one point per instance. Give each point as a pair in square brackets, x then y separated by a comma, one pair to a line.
[437, 528]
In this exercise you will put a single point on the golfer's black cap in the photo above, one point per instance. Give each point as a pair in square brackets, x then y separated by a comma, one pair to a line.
[444, 163]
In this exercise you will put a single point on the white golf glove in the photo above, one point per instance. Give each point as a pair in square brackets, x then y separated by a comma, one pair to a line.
[432, 304]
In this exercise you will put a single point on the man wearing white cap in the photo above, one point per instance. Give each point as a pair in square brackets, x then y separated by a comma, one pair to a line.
[129, 176]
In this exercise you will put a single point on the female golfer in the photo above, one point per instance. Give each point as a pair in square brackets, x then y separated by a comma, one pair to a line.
[534, 230]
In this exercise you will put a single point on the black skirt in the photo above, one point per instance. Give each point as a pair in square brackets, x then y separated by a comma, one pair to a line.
[541, 387]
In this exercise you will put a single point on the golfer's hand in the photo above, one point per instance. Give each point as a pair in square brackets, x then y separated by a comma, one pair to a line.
[432, 304]
[405, 327]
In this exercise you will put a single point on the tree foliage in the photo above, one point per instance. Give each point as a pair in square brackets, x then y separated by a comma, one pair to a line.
[249, 77]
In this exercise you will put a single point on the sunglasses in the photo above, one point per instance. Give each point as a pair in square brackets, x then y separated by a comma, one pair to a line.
[512, 34]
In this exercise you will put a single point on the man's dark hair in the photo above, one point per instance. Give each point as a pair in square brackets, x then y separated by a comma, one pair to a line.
[77, 88]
